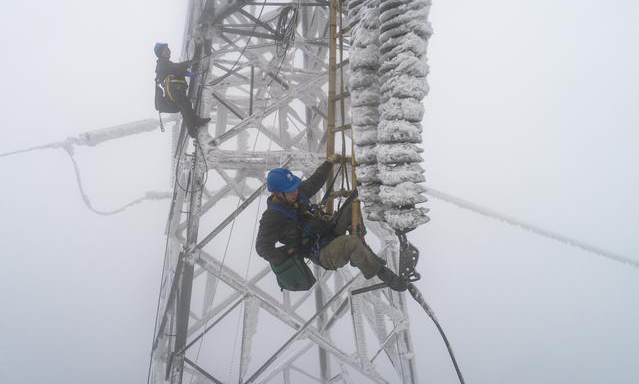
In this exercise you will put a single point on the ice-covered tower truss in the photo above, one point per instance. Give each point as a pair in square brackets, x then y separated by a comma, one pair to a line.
[275, 78]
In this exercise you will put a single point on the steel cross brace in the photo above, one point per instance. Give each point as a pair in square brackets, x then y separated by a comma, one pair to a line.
[276, 309]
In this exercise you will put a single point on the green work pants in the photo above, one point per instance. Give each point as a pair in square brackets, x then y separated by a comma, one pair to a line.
[349, 248]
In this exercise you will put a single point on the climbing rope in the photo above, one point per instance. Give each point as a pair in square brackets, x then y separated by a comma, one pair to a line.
[417, 295]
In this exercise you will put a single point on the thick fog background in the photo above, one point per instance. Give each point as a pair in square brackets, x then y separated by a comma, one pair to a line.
[532, 112]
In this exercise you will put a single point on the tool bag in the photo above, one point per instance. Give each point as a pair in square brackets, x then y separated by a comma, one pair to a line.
[294, 274]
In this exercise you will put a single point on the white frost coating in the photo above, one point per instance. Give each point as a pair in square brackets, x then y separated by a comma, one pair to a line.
[364, 137]
[406, 193]
[366, 58]
[404, 32]
[365, 99]
[406, 218]
[369, 192]
[366, 155]
[368, 115]
[408, 109]
[404, 64]
[363, 78]
[398, 153]
[396, 174]
[394, 131]
[405, 86]
[251, 313]
[367, 174]
[410, 42]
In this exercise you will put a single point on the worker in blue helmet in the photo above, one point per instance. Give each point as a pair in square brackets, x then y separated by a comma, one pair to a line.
[171, 76]
[303, 232]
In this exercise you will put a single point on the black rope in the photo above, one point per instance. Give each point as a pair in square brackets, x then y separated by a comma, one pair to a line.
[417, 295]
[285, 32]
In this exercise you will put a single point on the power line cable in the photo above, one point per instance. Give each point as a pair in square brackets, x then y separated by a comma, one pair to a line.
[464, 204]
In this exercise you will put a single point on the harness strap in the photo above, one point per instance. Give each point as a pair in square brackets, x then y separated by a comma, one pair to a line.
[167, 81]
[320, 241]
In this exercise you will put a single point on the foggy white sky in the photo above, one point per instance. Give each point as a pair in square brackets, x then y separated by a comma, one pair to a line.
[532, 112]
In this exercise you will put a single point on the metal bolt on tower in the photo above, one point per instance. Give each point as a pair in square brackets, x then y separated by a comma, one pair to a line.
[273, 77]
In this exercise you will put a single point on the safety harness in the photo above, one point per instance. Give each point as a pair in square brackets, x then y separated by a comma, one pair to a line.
[317, 239]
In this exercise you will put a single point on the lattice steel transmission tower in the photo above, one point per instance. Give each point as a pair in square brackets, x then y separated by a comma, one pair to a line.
[273, 78]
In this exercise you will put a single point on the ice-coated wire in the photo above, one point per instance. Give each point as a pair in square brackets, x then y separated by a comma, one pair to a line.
[148, 196]
[488, 212]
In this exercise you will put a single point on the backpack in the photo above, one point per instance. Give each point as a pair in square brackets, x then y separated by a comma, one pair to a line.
[162, 103]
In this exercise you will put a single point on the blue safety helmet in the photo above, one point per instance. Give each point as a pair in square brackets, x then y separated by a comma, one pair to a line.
[159, 47]
[282, 180]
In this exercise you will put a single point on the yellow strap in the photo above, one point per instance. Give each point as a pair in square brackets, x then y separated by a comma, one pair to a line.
[167, 89]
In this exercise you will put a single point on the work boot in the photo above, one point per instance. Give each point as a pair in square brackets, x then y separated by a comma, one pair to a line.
[202, 121]
[393, 281]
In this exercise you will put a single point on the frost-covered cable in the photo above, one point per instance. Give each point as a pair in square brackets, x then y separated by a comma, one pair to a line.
[148, 196]
[96, 137]
[404, 33]
[365, 99]
[531, 228]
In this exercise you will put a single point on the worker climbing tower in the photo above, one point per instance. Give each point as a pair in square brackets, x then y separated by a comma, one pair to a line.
[287, 84]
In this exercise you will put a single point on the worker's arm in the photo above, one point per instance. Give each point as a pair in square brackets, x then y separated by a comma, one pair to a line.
[313, 184]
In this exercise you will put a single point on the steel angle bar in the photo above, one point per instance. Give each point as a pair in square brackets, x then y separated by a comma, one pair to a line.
[219, 195]
[228, 105]
[169, 302]
[208, 328]
[259, 115]
[242, 32]
[312, 55]
[230, 181]
[264, 66]
[225, 302]
[395, 314]
[233, 215]
[238, 283]
[257, 21]
[297, 334]
[317, 379]
[248, 47]
[398, 328]
[249, 329]
[308, 293]
[277, 310]
[286, 364]
[202, 371]
[229, 72]
[211, 16]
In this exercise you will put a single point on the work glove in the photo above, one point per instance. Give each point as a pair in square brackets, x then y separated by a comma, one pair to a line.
[334, 158]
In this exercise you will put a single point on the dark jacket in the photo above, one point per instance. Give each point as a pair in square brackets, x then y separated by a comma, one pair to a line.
[277, 226]
[166, 67]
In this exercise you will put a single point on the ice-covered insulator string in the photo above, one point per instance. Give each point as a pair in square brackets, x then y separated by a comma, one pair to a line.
[365, 92]
[403, 38]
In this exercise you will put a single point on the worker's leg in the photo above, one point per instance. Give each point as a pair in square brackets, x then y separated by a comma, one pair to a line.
[350, 248]
[345, 220]
[178, 95]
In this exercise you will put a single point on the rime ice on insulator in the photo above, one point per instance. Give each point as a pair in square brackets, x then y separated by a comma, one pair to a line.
[404, 33]
[366, 96]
